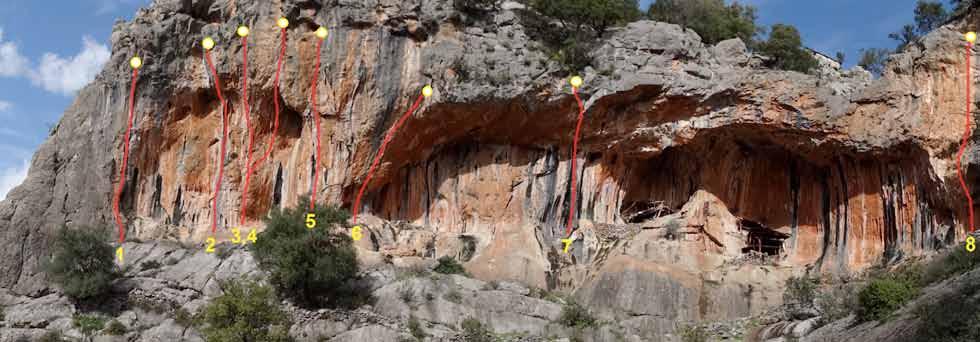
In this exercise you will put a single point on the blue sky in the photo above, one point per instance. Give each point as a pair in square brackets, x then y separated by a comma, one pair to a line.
[50, 49]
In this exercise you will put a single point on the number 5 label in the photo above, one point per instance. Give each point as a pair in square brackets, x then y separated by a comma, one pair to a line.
[310, 220]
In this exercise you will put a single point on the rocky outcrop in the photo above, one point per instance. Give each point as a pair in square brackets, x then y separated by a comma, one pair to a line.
[831, 173]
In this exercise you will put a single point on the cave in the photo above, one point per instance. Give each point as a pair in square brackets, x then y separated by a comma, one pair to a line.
[761, 239]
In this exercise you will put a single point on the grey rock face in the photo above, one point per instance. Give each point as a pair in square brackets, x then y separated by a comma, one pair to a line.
[482, 169]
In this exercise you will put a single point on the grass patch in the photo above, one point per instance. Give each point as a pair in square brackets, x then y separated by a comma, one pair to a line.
[415, 328]
[693, 333]
[88, 324]
[474, 331]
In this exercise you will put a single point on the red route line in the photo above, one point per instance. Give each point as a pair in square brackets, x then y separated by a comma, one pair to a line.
[316, 119]
[224, 136]
[966, 135]
[275, 96]
[251, 131]
[578, 130]
[381, 152]
[125, 160]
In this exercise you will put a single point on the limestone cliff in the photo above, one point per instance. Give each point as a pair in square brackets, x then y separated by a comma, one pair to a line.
[837, 171]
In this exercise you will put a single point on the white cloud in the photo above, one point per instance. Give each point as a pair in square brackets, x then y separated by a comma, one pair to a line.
[68, 75]
[12, 177]
[12, 63]
[4, 105]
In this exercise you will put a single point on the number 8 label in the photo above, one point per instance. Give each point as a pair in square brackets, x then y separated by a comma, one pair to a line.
[971, 244]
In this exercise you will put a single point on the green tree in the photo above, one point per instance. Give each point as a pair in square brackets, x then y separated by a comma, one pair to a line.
[839, 57]
[247, 311]
[929, 15]
[595, 15]
[786, 48]
[82, 263]
[873, 60]
[961, 6]
[314, 266]
[713, 20]
[905, 36]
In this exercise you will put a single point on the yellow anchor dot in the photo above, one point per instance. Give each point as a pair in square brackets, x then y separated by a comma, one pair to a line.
[135, 62]
[207, 43]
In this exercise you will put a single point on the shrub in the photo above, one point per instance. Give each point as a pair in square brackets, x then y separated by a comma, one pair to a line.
[82, 264]
[576, 315]
[88, 324]
[247, 311]
[453, 296]
[448, 265]
[224, 250]
[473, 331]
[313, 266]
[406, 294]
[149, 265]
[51, 336]
[786, 48]
[183, 317]
[692, 333]
[956, 261]
[882, 296]
[115, 328]
[801, 291]
[713, 20]
[952, 318]
[477, 7]
[836, 303]
[415, 328]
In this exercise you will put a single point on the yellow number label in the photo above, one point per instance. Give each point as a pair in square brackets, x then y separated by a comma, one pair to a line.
[237, 238]
[310, 220]
[356, 233]
[119, 254]
[252, 236]
[971, 244]
[210, 248]
[568, 243]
